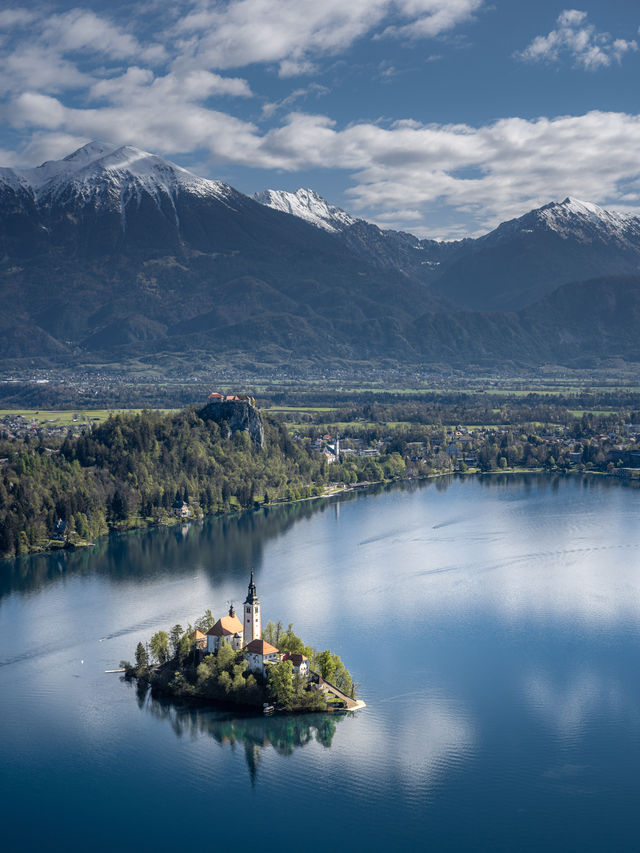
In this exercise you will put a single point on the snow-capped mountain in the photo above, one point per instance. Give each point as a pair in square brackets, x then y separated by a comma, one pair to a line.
[115, 250]
[527, 258]
[108, 176]
[113, 246]
[573, 219]
[516, 263]
[308, 205]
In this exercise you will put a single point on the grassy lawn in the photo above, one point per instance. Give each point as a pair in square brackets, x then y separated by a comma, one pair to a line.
[578, 413]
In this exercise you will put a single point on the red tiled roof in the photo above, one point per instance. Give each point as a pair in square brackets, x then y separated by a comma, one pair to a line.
[225, 626]
[260, 647]
[295, 657]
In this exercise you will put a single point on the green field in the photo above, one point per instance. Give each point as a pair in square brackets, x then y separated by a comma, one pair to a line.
[68, 417]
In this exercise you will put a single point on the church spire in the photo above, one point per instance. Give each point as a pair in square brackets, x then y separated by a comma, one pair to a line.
[252, 622]
[252, 595]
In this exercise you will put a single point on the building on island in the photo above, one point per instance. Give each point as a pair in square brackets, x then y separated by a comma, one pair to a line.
[228, 629]
[300, 662]
[199, 639]
[245, 636]
[259, 654]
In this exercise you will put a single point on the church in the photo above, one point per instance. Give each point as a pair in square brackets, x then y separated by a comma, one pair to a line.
[245, 635]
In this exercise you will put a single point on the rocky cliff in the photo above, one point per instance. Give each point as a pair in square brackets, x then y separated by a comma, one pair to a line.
[237, 415]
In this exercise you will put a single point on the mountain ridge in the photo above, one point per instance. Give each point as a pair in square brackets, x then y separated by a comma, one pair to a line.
[114, 252]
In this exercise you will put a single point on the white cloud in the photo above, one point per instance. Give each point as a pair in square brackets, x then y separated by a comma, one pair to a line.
[433, 18]
[81, 30]
[158, 92]
[294, 32]
[482, 174]
[589, 48]
[315, 89]
[138, 85]
[15, 18]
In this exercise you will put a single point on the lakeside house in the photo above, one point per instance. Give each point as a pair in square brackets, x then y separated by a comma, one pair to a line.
[181, 509]
[60, 532]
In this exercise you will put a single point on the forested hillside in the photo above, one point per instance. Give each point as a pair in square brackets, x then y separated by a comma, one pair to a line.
[129, 471]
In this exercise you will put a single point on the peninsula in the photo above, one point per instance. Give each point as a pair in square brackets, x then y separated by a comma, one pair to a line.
[233, 660]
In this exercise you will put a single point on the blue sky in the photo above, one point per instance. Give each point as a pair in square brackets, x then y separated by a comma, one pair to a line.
[442, 117]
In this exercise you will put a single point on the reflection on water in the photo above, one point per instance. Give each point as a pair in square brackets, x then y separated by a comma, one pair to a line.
[255, 733]
[493, 622]
[232, 545]
[229, 546]
[569, 707]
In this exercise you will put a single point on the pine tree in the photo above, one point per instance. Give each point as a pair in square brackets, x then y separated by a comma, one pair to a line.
[142, 658]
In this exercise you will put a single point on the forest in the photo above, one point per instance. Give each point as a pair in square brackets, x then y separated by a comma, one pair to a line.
[128, 471]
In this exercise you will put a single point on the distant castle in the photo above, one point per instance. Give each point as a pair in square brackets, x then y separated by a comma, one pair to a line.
[216, 397]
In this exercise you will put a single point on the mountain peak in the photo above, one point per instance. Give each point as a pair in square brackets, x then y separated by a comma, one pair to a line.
[307, 204]
[89, 152]
[585, 219]
[100, 168]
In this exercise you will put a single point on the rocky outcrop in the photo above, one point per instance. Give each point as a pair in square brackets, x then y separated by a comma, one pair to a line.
[237, 415]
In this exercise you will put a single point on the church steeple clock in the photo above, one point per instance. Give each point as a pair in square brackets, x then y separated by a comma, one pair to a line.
[252, 626]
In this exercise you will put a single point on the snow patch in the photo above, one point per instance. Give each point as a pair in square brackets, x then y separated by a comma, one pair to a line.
[308, 205]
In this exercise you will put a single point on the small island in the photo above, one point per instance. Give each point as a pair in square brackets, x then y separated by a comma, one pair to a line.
[233, 660]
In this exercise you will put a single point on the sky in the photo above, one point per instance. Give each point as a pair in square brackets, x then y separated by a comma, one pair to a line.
[438, 117]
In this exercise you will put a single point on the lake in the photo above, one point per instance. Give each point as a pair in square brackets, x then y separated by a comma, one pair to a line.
[493, 624]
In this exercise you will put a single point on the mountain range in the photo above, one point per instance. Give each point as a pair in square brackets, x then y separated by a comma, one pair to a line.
[113, 253]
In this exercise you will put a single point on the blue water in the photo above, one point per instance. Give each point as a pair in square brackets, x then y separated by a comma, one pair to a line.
[493, 624]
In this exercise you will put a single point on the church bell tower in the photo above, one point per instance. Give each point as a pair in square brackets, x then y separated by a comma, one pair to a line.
[252, 626]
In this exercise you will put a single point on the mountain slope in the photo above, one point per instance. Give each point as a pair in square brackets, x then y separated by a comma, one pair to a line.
[514, 265]
[114, 253]
[113, 246]
[529, 257]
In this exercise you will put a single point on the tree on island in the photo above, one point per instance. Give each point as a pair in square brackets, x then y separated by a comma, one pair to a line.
[175, 638]
[223, 676]
[280, 682]
[205, 622]
[334, 671]
[142, 659]
[159, 645]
